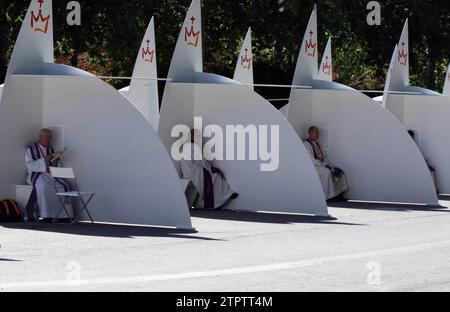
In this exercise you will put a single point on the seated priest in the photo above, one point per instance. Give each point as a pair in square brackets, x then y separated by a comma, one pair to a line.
[44, 204]
[332, 178]
[213, 190]
[430, 167]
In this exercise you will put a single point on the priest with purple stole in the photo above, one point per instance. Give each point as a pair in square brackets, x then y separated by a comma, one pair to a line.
[333, 179]
[213, 190]
[44, 204]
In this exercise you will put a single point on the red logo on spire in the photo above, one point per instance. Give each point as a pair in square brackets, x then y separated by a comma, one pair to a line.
[39, 23]
[147, 53]
[326, 67]
[246, 62]
[191, 36]
[310, 48]
[403, 56]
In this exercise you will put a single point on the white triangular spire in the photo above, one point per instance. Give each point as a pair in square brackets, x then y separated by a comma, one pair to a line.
[306, 70]
[447, 82]
[326, 67]
[188, 57]
[144, 93]
[403, 55]
[389, 76]
[244, 67]
[34, 45]
[399, 76]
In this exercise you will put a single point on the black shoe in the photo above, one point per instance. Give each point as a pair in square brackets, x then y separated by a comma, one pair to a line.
[337, 199]
[66, 220]
[234, 196]
[46, 220]
[332, 200]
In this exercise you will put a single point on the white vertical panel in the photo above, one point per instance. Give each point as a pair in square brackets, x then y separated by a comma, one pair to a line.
[398, 75]
[188, 58]
[34, 44]
[447, 82]
[144, 93]
[114, 150]
[116, 154]
[326, 66]
[306, 70]
[244, 65]
[381, 161]
[430, 115]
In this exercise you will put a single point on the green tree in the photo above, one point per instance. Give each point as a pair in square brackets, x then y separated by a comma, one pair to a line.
[108, 40]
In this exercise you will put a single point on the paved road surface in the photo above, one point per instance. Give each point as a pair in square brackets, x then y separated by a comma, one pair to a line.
[368, 248]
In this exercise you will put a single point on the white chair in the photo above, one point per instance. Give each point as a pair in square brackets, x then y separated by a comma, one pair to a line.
[85, 197]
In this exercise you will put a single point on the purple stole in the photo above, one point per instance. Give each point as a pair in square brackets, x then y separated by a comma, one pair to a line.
[208, 190]
[208, 187]
[36, 154]
[318, 154]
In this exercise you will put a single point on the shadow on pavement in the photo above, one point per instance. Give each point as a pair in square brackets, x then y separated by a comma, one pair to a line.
[444, 197]
[106, 230]
[245, 216]
[9, 260]
[387, 207]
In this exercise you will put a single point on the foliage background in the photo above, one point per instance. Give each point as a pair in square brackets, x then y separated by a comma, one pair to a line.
[108, 40]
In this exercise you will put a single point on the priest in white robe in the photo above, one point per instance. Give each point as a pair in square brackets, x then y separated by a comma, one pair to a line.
[333, 179]
[210, 183]
[44, 204]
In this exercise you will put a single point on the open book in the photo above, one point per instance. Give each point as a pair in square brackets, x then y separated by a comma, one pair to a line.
[58, 154]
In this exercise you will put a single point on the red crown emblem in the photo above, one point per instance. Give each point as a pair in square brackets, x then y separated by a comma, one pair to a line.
[39, 23]
[246, 62]
[403, 56]
[191, 36]
[147, 54]
[326, 67]
[310, 48]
